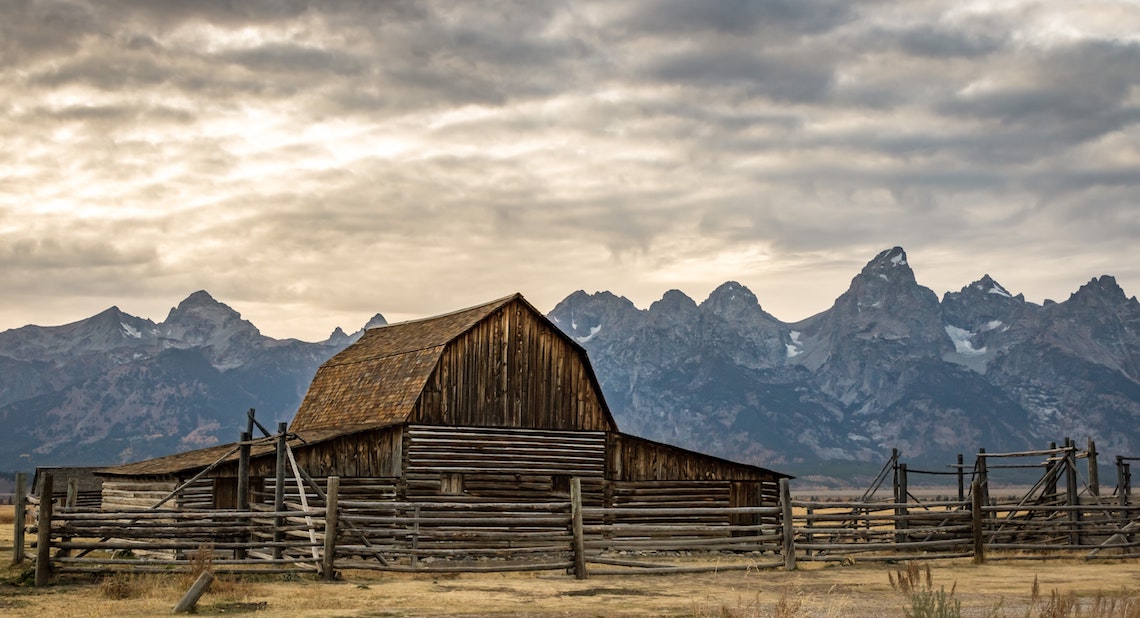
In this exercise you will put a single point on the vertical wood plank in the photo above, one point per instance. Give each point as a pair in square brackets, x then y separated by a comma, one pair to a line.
[279, 487]
[576, 524]
[332, 497]
[43, 534]
[18, 541]
[789, 532]
[977, 522]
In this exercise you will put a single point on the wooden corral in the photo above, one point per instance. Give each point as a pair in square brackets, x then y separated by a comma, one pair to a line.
[87, 485]
[490, 403]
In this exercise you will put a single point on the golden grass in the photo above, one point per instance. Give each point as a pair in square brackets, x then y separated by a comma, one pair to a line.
[7, 515]
[1019, 589]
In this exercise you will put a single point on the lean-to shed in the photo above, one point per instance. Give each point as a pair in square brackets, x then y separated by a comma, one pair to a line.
[493, 402]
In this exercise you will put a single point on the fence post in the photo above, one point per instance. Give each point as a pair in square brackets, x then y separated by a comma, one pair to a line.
[190, 599]
[977, 522]
[961, 480]
[576, 524]
[789, 531]
[1071, 494]
[279, 490]
[43, 532]
[982, 476]
[21, 515]
[1094, 469]
[332, 495]
[71, 502]
[902, 493]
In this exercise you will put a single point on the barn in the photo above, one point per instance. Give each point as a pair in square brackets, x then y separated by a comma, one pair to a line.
[489, 403]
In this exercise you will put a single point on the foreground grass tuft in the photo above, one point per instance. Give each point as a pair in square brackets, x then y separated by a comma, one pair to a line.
[923, 601]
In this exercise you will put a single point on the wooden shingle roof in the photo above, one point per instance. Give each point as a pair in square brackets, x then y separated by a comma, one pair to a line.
[379, 378]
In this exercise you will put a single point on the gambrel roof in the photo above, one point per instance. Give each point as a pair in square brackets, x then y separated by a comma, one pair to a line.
[379, 379]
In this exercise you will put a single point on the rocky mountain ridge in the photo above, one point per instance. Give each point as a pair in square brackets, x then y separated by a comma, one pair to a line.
[115, 387]
[889, 365]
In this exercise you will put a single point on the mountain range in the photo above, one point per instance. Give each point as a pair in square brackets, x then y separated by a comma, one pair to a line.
[888, 365]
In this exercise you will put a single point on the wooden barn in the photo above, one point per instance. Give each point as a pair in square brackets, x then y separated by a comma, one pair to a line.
[490, 403]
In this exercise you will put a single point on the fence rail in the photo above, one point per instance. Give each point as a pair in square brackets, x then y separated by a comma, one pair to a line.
[443, 536]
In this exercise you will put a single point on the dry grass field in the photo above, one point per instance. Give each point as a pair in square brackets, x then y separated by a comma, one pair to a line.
[1022, 588]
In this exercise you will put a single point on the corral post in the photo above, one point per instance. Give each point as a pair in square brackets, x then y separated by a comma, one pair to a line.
[1051, 475]
[961, 480]
[190, 599]
[1125, 487]
[70, 502]
[1071, 497]
[21, 515]
[243, 472]
[72, 493]
[43, 532]
[977, 522]
[279, 490]
[1094, 469]
[576, 525]
[332, 495]
[982, 477]
[789, 531]
[901, 511]
[243, 480]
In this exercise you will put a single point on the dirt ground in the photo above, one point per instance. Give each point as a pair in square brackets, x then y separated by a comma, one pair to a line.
[998, 588]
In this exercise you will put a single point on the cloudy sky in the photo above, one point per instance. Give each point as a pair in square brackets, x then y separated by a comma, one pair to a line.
[312, 163]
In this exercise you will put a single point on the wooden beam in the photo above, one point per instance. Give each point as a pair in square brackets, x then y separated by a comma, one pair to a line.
[332, 494]
[576, 524]
[21, 514]
[43, 532]
[789, 531]
[190, 599]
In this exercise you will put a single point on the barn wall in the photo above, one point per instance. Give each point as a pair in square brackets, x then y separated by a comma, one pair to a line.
[127, 493]
[500, 464]
[637, 459]
[512, 370]
[372, 453]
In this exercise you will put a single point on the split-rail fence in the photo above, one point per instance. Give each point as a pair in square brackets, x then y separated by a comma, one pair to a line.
[323, 534]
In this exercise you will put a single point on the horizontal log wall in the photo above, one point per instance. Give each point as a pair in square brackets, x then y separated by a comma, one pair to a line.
[501, 464]
[140, 494]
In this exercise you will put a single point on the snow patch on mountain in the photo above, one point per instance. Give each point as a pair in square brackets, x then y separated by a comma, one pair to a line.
[133, 333]
[593, 331]
[795, 348]
[962, 344]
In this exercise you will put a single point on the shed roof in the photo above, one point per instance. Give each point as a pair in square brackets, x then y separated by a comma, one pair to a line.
[193, 461]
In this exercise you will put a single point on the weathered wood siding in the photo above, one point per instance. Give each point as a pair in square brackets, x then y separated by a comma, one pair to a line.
[637, 459]
[513, 370]
[138, 494]
[371, 453]
[502, 464]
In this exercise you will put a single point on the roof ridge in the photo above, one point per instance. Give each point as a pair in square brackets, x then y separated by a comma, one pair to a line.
[499, 301]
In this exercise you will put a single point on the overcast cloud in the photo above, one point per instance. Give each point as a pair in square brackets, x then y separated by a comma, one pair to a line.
[311, 163]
